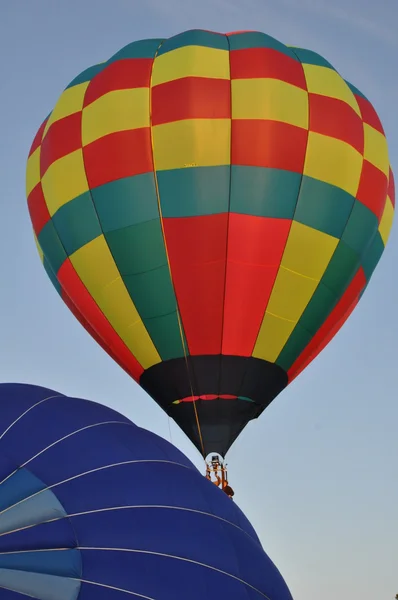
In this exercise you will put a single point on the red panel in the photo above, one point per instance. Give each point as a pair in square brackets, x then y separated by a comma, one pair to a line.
[208, 397]
[336, 119]
[259, 143]
[118, 155]
[91, 317]
[38, 137]
[331, 326]
[252, 63]
[38, 210]
[62, 138]
[191, 98]
[391, 187]
[197, 253]
[255, 248]
[372, 191]
[122, 74]
[369, 115]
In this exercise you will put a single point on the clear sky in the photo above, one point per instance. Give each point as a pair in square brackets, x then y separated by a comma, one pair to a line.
[317, 474]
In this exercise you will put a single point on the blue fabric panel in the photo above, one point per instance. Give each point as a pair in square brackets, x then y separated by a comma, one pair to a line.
[175, 579]
[55, 534]
[16, 398]
[54, 418]
[7, 464]
[63, 563]
[19, 486]
[86, 451]
[42, 507]
[37, 585]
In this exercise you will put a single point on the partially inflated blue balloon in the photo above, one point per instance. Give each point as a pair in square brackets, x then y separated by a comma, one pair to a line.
[93, 507]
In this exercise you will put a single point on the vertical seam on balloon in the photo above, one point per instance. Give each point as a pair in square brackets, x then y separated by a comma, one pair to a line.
[180, 324]
[106, 241]
[337, 299]
[25, 412]
[228, 222]
[74, 270]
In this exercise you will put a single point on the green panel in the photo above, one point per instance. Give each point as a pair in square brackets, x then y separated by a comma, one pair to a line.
[165, 334]
[361, 227]
[152, 292]
[126, 202]
[372, 256]
[255, 39]
[77, 223]
[309, 57]
[138, 248]
[355, 90]
[318, 309]
[51, 246]
[194, 191]
[293, 348]
[323, 206]
[138, 49]
[264, 192]
[341, 269]
[51, 275]
[87, 75]
[153, 295]
[195, 37]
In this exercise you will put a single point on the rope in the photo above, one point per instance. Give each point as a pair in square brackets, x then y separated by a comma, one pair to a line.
[169, 266]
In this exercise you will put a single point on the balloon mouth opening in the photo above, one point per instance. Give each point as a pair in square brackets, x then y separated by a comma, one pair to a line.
[207, 397]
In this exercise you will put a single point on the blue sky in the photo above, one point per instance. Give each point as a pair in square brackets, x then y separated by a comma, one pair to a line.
[317, 475]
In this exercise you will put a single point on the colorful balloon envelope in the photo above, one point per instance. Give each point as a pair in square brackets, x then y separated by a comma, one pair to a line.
[211, 208]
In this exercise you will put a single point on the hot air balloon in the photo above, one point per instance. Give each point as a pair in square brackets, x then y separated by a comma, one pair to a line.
[211, 208]
[93, 507]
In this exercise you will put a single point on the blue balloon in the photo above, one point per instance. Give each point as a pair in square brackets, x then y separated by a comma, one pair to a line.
[93, 507]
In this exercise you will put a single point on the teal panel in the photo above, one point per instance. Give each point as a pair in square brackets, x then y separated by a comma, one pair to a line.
[256, 39]
[63, 563]
[138, 49]
[318, 309]
[51, 246]
[341, 269]
[361, 227]
[32, 511]
[18, 486]
[264, 192]
[126, 202]
[355, 90]
[166, 335]
[87, 74]
[372, 255]
[77, 223]
[194, 191]
[311, 58]
[323, 206]
[293, 348]
[152, 292]
[138, 248]
[52, 277]
[195, 37]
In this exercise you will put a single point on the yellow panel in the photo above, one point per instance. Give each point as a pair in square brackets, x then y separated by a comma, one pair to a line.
[269, 99]
[192, 142]
[273, 336]
[71, 101]
[98, 272]
[386, 221]
[191, 61]
[290, 295]
[33, 171]
[327, 82]
[333, 161]
[40, 251]
[64, 180]
[376, 149]
[118, 110]
[308, 251]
